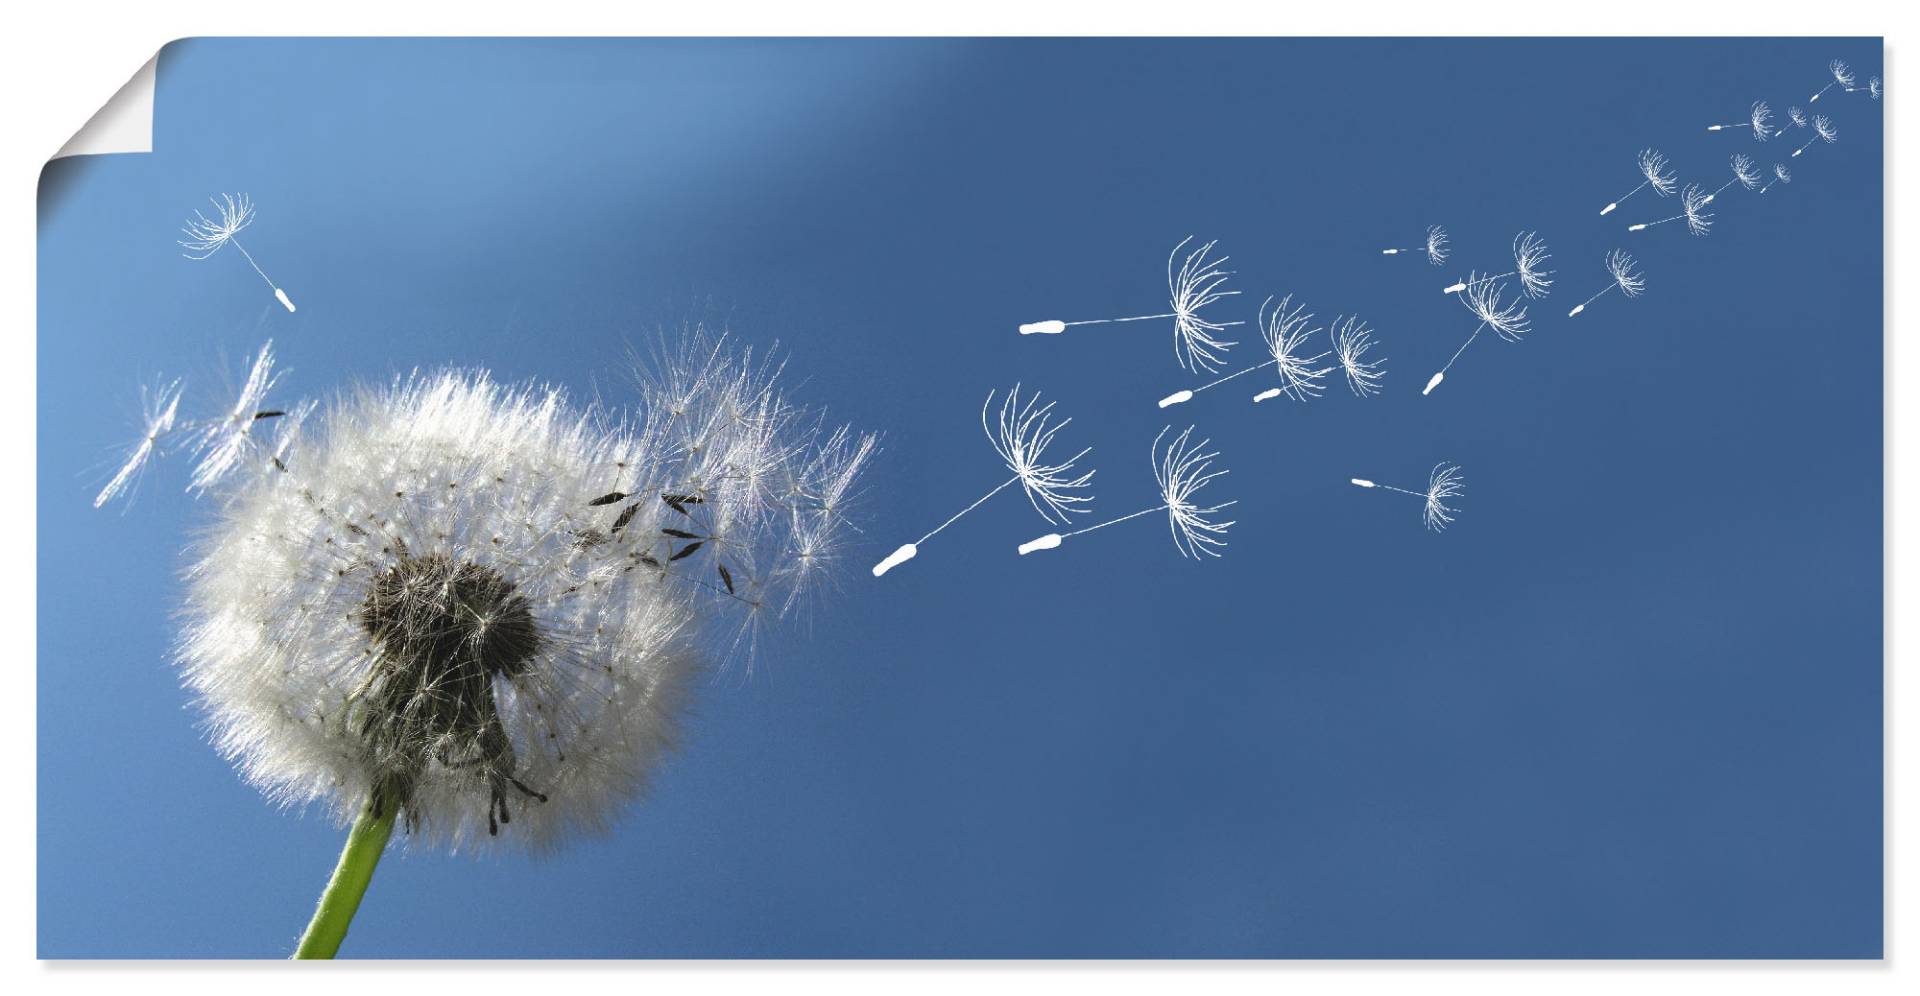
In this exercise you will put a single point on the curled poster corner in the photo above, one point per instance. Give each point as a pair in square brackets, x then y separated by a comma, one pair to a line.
[123, 124]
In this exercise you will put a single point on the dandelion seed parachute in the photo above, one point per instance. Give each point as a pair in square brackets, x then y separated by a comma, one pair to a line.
[1653, 166]
[1285, 327]
[223, 443]
[1626, 278]
[1758, 118]
[159, 407]
[1194, 285]
[483, 604]
[1842, 77]
[1484, 299]
[206, 236]
[1823, 131]
[1180, 470]
[1020, 436]
[1435, 246]
[1446, 482]
[1352, 341]
[1693, 210]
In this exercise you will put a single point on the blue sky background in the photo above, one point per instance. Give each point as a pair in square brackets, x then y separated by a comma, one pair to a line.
[1629, 706]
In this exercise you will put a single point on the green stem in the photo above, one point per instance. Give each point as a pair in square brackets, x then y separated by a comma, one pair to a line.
[341, 900]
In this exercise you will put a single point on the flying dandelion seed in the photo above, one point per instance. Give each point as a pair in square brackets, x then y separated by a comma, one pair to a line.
[1621, 267]
[159, 406]
[1780, 175]
[1842, 77]
[225, 442]
[1873, 88]
[1693, 208]
[1435, 247]
[1352, 340]
[1285, 327]
[1823, 131]
[1020, 436]
[205, 236]
[1757, 119]
[1181, 470]
[1745, 173]
[1482, 298]
[1529, 264]
[1195, 285]
[1797, 117]
[1444, 483]
[1653, 166]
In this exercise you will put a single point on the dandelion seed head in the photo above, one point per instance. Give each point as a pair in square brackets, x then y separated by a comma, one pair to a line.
[1529, 261]
[1181, 470]
[1841, 73]
[205, 236]
[1780, 173]
[1874, 87]
[1482, 297]
[1745, 171]
[1286, 327]
[1021, 434]
[1621, 265]
[1446, 482]
[1352, 340]
[1759, 116]
[1436, 245]
[1196, 284]
[1825, 128]
[484, 604]
[1653, 166]
[1797, 116]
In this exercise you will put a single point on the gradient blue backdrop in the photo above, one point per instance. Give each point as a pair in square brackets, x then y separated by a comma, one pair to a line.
[1630, 705]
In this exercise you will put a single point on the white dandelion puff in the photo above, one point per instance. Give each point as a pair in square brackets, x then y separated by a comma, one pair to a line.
[1180, 470]
[1626, 279]
[1435, 246]
[1352, 340]
[1693, 210]
[1842, 77]
[1194, 285]
[159, 406]
[223, 443]
[1529, 264]
[1483, 298]
[1653, 166]
[437, 610]
[1285, 327]
[1823, 131]
[1757, 120]
[1780, 175]
[205, 236]
[1796, 117]
[1446, 482]
[1020, 435]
